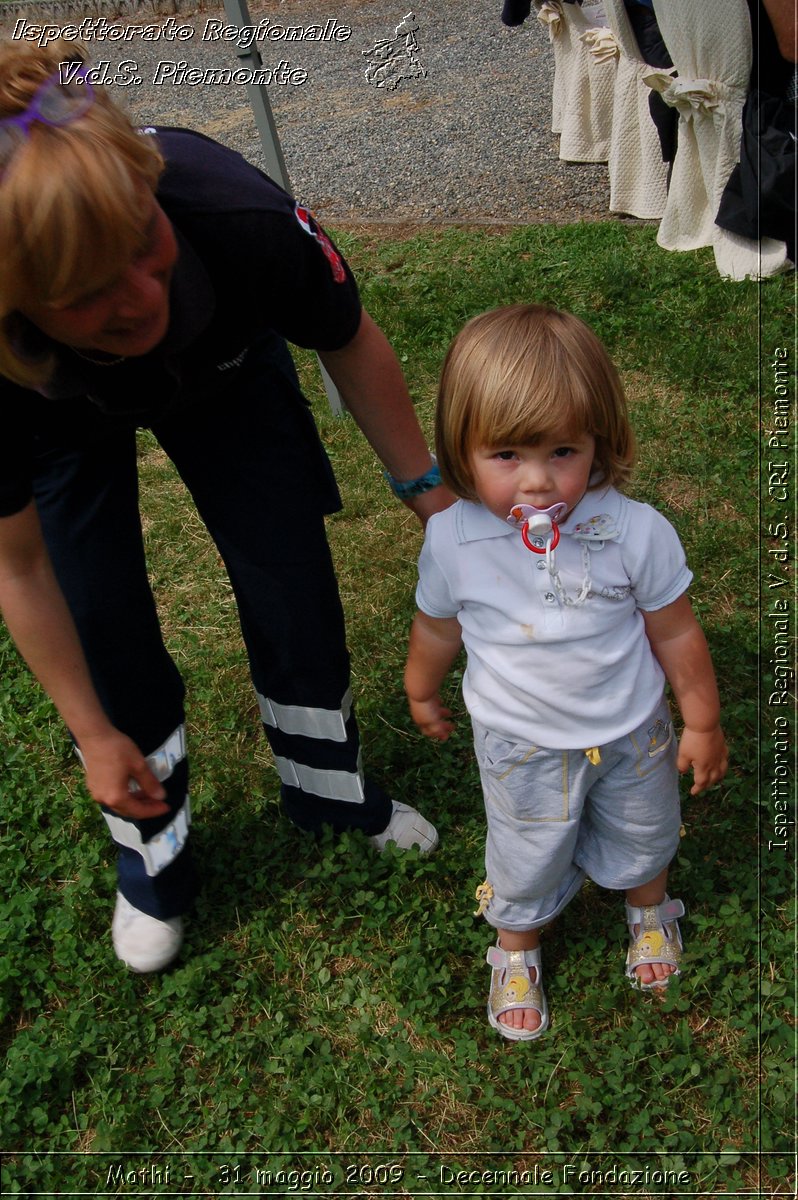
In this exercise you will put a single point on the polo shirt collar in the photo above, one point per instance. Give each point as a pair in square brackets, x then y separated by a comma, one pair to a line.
[474, 522]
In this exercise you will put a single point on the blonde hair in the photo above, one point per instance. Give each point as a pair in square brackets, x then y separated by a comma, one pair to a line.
[74, 200]
[515, 375]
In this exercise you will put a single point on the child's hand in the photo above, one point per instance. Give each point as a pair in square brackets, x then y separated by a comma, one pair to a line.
[432, 718]
[706, 753]
[434, 644]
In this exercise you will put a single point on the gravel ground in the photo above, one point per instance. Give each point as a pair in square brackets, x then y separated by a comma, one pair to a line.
[469, 142]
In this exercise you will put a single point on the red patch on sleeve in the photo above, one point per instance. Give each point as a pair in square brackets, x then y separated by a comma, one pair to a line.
[311, 227]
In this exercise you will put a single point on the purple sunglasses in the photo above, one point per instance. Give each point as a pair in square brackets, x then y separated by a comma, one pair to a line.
[57, 101]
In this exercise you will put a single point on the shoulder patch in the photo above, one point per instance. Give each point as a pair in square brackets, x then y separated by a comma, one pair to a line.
[308, 222]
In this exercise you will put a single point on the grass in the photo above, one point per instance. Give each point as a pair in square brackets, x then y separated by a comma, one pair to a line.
[331, 1002]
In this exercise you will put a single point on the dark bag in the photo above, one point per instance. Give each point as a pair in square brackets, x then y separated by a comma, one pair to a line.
[759, 199]
[515, 12]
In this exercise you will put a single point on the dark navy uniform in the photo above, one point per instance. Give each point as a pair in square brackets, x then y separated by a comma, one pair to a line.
[221, 396]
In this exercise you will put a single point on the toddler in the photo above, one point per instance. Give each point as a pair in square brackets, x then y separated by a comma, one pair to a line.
[570, 600]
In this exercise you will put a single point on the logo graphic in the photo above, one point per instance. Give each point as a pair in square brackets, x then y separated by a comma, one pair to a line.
[309, 224]
[393, 59]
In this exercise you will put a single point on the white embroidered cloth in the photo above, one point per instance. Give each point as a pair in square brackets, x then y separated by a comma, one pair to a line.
[549, 13]
[709, 42]
[582, 95]
[638, 176]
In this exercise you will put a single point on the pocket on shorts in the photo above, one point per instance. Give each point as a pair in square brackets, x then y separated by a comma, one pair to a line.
[500, 757]
[653, 743]
[527, 783]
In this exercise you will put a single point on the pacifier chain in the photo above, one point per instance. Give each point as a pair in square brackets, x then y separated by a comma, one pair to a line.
[540, 524]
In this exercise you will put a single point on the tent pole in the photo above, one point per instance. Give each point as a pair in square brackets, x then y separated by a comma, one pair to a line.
[237, 14]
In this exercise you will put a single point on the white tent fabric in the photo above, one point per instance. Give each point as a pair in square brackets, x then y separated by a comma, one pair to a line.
[709, 42]
[638, 175]
[584, 80]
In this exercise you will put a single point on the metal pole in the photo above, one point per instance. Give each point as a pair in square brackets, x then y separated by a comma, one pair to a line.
[237, 14]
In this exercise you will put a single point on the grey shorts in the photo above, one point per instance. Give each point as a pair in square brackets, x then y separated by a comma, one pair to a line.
[555, 816]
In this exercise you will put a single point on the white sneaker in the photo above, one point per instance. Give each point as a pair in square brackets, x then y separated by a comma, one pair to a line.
[144, 943]
[407, 828]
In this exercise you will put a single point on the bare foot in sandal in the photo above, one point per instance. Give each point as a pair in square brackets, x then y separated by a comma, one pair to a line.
[655, 943]
[517, 1003]
[653, 974]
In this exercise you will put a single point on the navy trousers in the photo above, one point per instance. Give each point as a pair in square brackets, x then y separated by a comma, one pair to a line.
[251, 458]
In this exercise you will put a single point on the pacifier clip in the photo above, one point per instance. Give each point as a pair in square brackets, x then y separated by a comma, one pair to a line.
[543, 524]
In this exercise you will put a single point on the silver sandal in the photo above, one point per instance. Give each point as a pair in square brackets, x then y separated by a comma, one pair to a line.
[512, 986]
[658, 940]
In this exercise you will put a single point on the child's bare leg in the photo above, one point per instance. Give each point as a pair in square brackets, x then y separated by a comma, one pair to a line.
[520, 1018]
[652, 892]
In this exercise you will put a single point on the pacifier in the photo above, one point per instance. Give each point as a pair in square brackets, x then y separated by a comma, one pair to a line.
[538, 523]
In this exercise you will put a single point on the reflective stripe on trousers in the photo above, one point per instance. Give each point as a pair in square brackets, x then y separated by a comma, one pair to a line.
[320, 725]
[163, 848]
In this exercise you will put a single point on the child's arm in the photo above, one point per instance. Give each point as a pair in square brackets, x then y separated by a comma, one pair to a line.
[434, 645]
[681, 649]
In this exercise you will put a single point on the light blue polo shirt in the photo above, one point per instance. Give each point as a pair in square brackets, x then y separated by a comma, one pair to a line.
[542, 671]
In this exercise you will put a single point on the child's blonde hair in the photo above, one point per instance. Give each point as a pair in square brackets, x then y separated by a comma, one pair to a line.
[74, 200]
[517, 374]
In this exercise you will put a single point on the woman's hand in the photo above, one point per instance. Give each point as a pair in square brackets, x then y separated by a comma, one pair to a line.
[40, 623]
[429, 503]
[119, 777]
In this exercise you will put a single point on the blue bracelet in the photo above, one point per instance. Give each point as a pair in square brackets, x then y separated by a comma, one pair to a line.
[406, 489]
